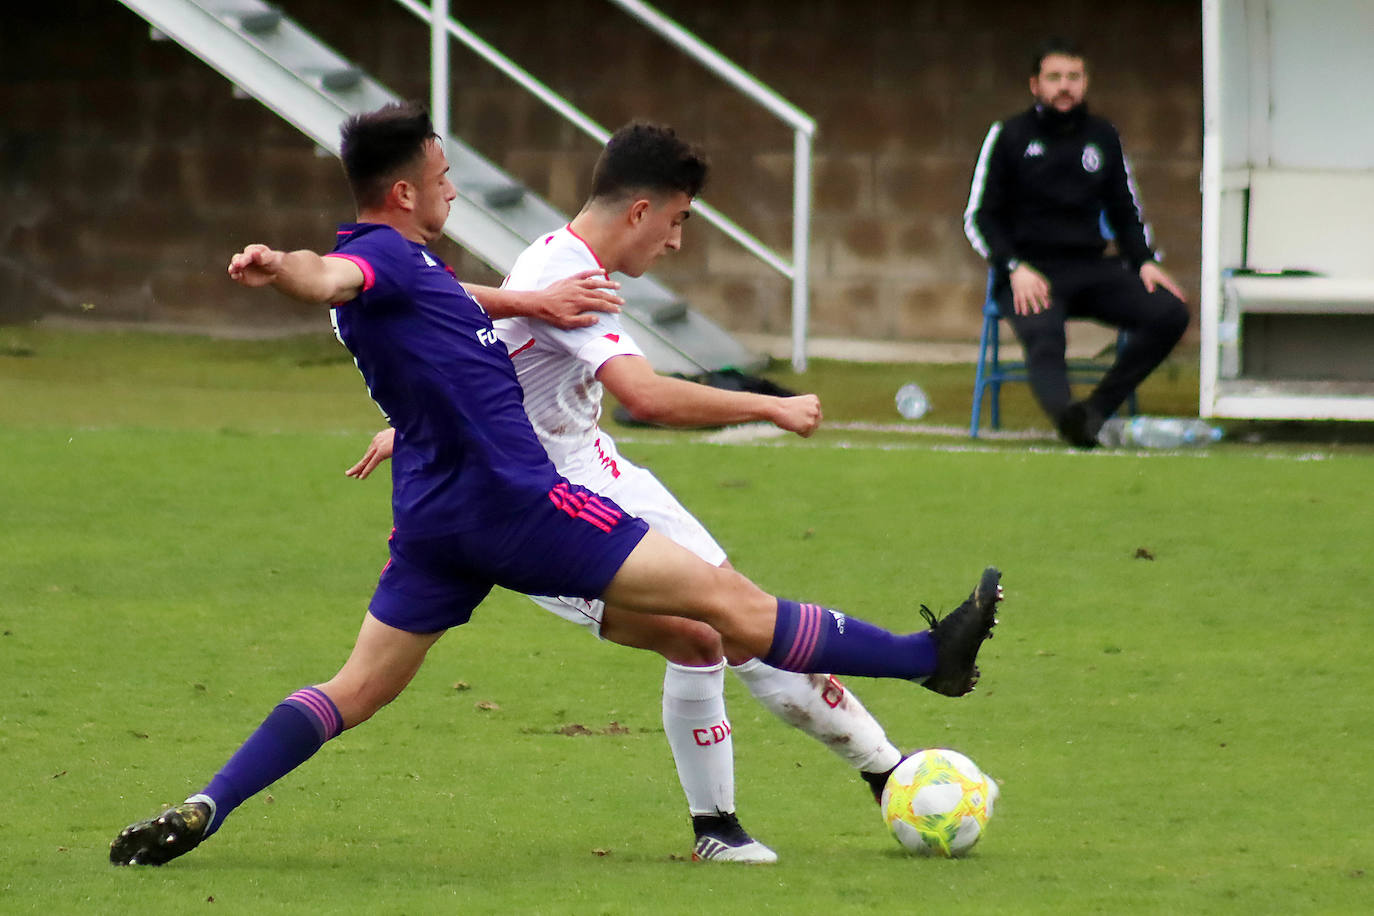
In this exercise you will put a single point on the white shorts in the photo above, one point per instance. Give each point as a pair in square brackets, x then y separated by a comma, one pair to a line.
[640, 493]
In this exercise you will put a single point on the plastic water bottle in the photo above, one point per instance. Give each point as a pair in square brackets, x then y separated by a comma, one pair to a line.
[1158, 432]
[912, 402]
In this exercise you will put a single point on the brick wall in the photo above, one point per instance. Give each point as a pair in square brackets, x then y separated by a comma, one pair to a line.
[128, 172]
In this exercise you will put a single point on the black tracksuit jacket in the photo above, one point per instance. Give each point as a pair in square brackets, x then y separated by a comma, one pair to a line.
[1041, 186]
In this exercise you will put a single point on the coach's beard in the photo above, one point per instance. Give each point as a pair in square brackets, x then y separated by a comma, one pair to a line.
[1062, 122]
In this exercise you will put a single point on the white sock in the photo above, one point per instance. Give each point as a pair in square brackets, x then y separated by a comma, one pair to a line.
[699, 734]
[204, 800]
[821, 706]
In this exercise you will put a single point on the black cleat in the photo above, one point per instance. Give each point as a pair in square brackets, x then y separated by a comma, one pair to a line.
[878, 781]
[959, 636]
[720, 838]
[160, 839]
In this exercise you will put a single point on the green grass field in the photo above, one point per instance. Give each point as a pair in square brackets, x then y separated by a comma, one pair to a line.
[1188, 732]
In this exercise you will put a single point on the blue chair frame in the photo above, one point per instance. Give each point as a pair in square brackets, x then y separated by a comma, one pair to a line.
[991, 372]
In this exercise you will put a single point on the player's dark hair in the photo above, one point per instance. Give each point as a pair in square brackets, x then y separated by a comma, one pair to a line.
[1055, 44]
[379, 146]
[643, 157]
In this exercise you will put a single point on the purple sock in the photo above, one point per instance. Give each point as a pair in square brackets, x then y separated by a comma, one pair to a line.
[808, 637]
[297, 728]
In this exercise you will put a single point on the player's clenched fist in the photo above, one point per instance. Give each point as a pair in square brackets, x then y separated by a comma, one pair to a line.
[800, 414]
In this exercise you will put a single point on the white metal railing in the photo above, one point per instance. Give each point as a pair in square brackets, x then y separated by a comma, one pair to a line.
[803, 132]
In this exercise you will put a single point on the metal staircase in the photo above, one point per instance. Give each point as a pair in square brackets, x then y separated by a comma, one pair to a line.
[270, 57]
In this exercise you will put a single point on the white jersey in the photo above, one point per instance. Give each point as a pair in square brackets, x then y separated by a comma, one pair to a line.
[557, 368]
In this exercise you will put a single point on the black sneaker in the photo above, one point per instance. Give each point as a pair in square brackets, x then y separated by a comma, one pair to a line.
[720, 838]
[959, 636]
[160, 839]
[1079, 425]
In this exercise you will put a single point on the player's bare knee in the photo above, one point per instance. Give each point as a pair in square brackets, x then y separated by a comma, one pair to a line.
[677, 639]
[357, 703]
[737, 608]
[692, 643]
[736, 654]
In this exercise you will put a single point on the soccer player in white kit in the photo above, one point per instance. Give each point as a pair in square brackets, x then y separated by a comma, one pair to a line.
[642, 189]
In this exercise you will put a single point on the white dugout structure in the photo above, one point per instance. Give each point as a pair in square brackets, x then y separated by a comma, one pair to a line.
[1288, 210]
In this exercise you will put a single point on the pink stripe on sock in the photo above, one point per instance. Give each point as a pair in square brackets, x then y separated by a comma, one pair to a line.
[806, 644]
[806, 638]
[312, 703]
[813, 632]
[323, 709]
[331, 712]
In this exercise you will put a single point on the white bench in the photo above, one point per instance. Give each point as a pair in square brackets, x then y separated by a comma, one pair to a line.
[1299, 220]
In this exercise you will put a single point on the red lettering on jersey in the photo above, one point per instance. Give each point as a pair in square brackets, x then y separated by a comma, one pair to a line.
[606, 460]
[613, 338]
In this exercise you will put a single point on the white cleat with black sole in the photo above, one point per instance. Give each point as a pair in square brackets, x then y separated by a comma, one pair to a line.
[720, 838]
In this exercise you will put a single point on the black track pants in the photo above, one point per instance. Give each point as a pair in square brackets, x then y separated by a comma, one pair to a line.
[1104, 290]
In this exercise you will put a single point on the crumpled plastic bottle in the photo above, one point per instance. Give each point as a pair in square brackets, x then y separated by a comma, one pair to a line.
[912, 402]
[1158, 432]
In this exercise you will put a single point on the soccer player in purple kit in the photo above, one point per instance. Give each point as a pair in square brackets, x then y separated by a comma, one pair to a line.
[476, 501]
[563, 372]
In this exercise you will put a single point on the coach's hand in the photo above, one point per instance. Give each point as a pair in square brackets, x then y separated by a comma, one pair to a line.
[1030, 291]
[573, 301]
[1152, 275]
[378, 451]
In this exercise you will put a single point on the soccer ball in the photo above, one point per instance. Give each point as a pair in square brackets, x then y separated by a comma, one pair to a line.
[937, 803]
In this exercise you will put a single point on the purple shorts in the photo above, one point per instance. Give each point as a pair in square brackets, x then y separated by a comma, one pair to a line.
[572, 544]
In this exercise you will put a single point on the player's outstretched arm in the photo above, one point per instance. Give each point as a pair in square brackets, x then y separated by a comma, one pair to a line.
[654, 398]
[378, 450]
[303, 275]
[570, 303]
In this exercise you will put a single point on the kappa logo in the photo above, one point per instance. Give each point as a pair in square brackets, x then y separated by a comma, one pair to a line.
[839, 620]
[1092, 158]
[1034, 148]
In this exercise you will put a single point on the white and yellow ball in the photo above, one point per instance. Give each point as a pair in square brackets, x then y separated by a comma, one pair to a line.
[938, 803]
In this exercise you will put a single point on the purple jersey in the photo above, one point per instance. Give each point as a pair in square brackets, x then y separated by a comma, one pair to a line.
[465, 453]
